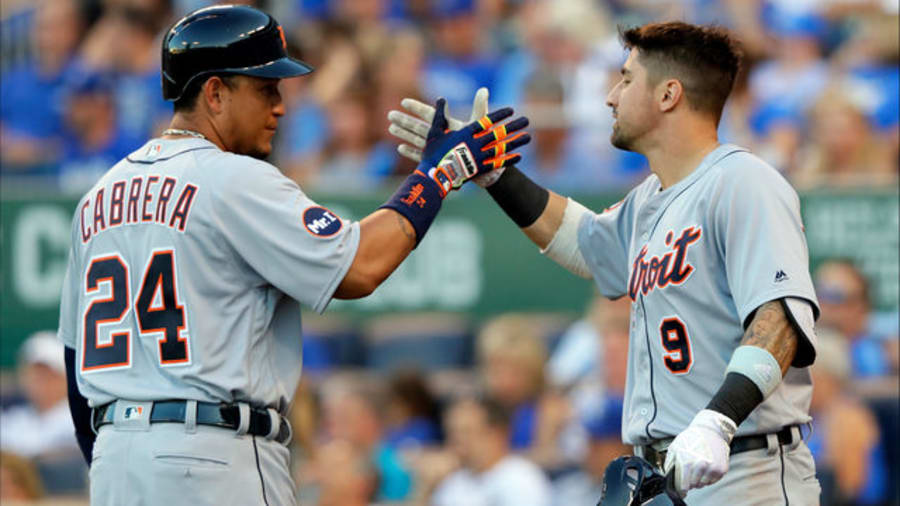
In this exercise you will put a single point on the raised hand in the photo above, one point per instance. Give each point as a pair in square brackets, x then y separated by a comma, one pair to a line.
[451, 158]
[412, 127]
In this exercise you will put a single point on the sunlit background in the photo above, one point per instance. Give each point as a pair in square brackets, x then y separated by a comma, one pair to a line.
[476, 308]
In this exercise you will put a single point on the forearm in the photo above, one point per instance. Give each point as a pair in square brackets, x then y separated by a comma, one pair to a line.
[536, 210]
[548, 219]
[386, 238]
[772, 331]
[770, 342]
[542, 231]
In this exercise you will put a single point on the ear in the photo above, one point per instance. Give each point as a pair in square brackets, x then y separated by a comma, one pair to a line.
[671, 92]
[215, 93]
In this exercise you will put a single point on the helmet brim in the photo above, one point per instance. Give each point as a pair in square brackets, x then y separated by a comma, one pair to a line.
[277, 69]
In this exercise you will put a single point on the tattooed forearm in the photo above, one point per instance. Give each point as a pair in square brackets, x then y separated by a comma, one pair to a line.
[772, 331]
[406, 227]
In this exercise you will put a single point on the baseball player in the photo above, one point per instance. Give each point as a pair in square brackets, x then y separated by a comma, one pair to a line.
[190, 257]
[710, 250]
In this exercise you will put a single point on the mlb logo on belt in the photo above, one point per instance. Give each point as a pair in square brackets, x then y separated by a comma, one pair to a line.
[133, 412]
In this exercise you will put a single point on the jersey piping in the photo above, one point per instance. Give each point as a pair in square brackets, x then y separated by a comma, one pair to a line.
[650, 361]
[151, 162]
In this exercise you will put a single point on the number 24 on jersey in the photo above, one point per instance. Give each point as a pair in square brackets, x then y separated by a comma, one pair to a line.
[156, 310]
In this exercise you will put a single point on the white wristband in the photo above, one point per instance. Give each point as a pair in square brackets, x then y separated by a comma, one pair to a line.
[757, 364]
[563, 248]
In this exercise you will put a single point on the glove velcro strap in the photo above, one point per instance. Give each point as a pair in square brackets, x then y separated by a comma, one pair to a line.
[418, 199]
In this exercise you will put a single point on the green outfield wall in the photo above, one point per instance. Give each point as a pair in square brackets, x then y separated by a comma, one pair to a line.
[474, 259]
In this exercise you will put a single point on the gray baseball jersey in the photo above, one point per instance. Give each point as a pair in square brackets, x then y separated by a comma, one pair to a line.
[185, 274]
[697, 259]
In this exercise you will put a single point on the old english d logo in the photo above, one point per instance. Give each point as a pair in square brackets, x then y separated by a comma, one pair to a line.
[321, 222]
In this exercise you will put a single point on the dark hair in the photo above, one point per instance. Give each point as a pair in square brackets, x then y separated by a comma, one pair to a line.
[495, 413]
[408, 387]
[705, 59]
[188, 98]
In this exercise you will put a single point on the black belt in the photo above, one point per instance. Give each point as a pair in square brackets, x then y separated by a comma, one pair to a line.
[739, 444]
[742, 444]
[222, 415]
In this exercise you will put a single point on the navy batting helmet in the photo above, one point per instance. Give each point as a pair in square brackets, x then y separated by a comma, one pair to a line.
[225, 39]
[632, 481]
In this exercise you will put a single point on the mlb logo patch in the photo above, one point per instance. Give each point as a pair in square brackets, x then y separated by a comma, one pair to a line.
[153, 151]
[133, 412]
[321, 222]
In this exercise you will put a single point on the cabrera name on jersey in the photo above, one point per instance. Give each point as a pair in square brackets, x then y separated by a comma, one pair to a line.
[146, 201]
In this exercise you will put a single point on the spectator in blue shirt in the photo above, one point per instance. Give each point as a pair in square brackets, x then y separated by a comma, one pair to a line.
[843, 292]
[605, 432]
[459, 64]
[797, 74]
[846, 440]
[412, 416]
[125, 43]
[30, 95]
[354, 415]
[353, 160]
[92, 143]
[511, 356]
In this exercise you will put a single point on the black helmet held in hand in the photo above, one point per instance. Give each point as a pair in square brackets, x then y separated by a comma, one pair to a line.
[632, 481]
[225, 39]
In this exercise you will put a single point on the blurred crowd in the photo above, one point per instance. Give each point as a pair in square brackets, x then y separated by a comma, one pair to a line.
[817, 97]
[521, 409]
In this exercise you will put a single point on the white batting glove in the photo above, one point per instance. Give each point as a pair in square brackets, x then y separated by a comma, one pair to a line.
[413, 128]
[699, 454]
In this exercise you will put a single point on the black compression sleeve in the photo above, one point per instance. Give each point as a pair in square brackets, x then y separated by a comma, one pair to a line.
[736, 398]
[81, 412]
[520, 197]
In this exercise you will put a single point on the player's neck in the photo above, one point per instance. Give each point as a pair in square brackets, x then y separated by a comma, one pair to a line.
[676, 156]
[192, 124]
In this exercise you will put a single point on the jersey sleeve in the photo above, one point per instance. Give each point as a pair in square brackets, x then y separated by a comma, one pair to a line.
[760, 232]
[301, 248]
[603, 240]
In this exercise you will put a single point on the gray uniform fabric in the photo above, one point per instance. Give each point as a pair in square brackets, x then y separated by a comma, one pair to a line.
[697, 259]
[240, 247]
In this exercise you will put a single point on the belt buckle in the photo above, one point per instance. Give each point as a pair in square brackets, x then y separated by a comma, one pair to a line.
[659, 458]
[656, 458]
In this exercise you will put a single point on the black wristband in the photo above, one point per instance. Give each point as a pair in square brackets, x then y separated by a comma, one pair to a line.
[519, 197]
[737, 397]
